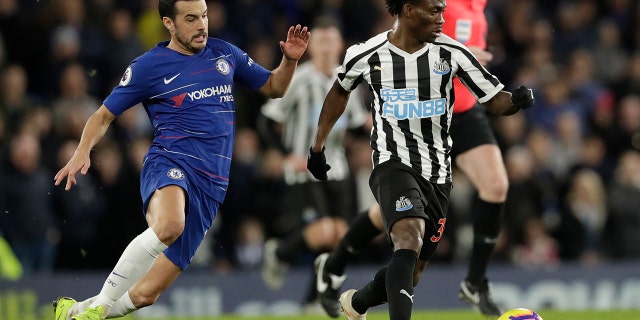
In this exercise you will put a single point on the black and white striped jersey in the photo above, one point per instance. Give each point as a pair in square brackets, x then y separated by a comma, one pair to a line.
[413, 98]
[298, 111]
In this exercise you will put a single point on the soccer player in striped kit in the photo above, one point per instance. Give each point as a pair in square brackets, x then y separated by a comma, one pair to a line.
[316, 212]
[474, 151]
[410, 72]
[186, 86]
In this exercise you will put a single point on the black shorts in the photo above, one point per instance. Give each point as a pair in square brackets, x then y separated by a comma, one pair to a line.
[402, 192]
[306, 202]
[470, 129]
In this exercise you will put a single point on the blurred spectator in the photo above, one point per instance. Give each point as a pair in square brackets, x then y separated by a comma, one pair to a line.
[15, 103]
[75, 40]
[13, 30]
[117, 181]
[250, 243]
[580, 233]
[611, 58]
[510, 131]
[271, 182]
[248, 101]
[79, 211]
[624, 133]
[148, 27]
[567, 144]
[593, 156]
[242, 186]
[543, 151]
[74, 105]
[27, 220]
[218, 27]
[537, 250]
[587, 90]
[554, 99]
[630, 82]
[624, 200]
[625, 14]
[124, 46]
[575, 27]
[524, 199]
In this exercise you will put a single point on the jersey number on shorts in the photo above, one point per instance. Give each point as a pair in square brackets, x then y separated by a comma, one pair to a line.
[441, 222]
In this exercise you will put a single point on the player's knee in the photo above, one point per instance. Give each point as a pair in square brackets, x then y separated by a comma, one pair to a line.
[407, 234]
[168, 231]
[320, 234]
[495, 189]
[340, 229]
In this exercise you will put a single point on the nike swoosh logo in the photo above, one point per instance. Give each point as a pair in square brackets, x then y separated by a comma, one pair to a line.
[474, 297]
[167, 81]
[320, 284]
[337, 281]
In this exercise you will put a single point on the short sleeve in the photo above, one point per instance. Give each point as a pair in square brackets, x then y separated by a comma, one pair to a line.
[350, 72]
[482, 84]
[248, 71]
[131, 90]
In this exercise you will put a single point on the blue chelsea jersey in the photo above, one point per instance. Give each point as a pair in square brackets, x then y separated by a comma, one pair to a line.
[189, 100]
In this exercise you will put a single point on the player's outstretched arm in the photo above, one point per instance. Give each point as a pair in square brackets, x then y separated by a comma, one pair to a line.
[332, 108]
[94, 130]
[505, 103]
[292, 50]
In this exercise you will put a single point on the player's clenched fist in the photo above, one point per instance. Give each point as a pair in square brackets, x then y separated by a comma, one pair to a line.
[522, 98]
[317, 164]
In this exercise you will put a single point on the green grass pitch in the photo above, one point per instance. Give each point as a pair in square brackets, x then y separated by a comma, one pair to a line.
[447, 315]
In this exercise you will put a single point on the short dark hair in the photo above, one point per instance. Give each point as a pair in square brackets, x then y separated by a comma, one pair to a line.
[167, 8]
[325, 22]
[394, 7]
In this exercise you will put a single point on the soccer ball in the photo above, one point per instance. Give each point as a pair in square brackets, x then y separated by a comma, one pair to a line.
[520, 314]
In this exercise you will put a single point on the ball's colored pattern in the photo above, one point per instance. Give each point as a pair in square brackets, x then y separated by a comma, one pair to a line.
[520, 314]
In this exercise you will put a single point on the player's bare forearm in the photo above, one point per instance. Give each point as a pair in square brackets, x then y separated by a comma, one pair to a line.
[332, 108]
[94, 130]
[501, 104]
[280, 79]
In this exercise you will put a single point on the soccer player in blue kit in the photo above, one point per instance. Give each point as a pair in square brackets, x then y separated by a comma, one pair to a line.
[186, 86]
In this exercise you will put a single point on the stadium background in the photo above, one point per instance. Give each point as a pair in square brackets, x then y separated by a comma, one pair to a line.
[573, 159]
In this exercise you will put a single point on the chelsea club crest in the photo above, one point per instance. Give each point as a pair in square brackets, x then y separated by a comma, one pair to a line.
[175, 174]
[223, 66]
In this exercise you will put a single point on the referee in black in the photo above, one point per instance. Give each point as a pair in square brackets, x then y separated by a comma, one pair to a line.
[410, 73]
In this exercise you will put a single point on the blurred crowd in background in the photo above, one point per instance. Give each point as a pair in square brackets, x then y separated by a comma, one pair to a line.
[573, 159]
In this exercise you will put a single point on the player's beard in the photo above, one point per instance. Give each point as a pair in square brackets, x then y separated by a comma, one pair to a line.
[187, 43]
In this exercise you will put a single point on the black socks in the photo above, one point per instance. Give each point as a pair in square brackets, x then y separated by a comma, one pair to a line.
[360, 234]
[486, 227]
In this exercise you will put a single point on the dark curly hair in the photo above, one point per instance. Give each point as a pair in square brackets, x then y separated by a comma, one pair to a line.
[394, 7]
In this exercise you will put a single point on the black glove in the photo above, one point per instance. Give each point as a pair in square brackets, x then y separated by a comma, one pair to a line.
[317, 164]
[522, 98]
